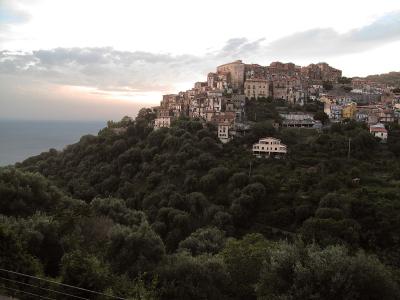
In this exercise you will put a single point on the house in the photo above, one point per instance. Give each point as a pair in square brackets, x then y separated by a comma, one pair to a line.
[162, 122]
[386, 115]
[256, 88]
[379, 131]
[268, 147]
[298, 119]
[334, 111]
[349, 110]
[164, 118]
[224, 132]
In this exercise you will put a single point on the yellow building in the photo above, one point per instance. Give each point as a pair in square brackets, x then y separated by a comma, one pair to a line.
[349, 111]
[256, 88]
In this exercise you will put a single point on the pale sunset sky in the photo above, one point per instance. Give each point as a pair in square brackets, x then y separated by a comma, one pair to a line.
[103, 59]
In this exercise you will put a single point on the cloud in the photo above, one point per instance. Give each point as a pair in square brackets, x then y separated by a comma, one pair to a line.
[108, 69]
[326, 42]
[240, 47]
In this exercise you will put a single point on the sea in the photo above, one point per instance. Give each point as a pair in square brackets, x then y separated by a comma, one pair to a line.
[22, 139]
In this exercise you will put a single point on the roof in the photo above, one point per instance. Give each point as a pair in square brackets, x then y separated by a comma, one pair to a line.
[378, 129]
[269, 138]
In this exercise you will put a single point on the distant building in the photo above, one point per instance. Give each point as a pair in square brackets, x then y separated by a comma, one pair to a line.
[162, 122]
[256, 88]
[349, 110]
[224, 132]
[236, 72]
[299, 120]
[268, 147]
[164, 118]
[379, 131]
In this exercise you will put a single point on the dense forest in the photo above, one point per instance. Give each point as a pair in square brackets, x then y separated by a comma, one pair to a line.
[175, 214]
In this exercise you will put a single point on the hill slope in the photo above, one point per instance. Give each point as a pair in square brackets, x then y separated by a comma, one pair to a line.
[391, 78]
[186, 217]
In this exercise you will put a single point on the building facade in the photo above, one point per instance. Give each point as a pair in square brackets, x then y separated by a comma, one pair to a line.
[268, 147]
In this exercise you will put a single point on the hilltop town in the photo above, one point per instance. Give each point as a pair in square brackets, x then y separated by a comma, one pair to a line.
[223, 97]
[202, 220]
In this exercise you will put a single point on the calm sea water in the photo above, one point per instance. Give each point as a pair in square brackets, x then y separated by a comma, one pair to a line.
[22, 139]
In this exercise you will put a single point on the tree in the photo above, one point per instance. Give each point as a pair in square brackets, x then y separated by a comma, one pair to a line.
[134, 250]
[185, 277]
[296, 271]
[204, 240]
[85, 271]
[244, 259]
[327, 85]
[344, 80]
[23, 193]
[321, 116]
[14, 257]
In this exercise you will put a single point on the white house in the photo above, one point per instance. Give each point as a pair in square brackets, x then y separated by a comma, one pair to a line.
[269, 146]
[162, 122]
[379, 131]
[224, 133]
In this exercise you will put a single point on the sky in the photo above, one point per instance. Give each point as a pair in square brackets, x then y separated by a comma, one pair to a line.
[104, 59]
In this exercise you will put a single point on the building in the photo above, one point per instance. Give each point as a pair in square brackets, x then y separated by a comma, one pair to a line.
[321, 72]
[334, 111]
[379, 131]
[226, 123]
[299, 120]
[224, 132]
[162, 122]
[386, 115]
[279, 68]
[280, 89]
[164, 118]
[349, 110]
[256, 88]
[236, 72]
[268, 147]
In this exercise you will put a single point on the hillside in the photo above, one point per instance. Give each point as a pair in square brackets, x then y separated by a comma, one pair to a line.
[391, 78]
[175, 214]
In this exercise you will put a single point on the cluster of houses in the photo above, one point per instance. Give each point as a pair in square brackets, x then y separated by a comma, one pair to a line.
[382, 109]
[222, 98]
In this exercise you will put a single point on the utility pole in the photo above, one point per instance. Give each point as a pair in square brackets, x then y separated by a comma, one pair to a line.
[250, 168]
[349, 149]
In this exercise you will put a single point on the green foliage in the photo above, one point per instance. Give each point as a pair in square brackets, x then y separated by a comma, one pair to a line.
[344, 80]
[262, 109]
[298, 272]
[204, 240]
[321, 116]
[244, 259]
[21, 194]
[185, 277]
[134, 250]
[175, 214]
[85, 271]
[13, 256]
